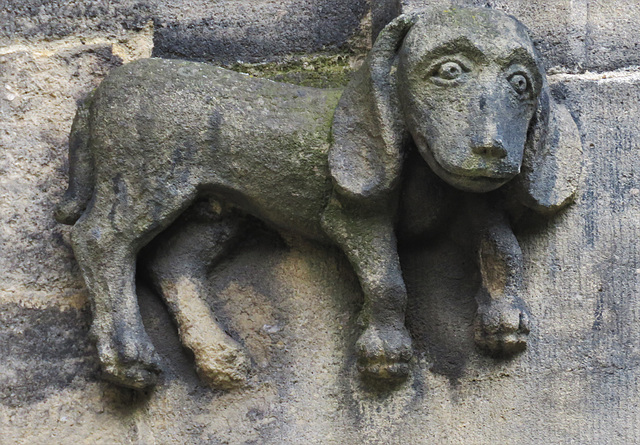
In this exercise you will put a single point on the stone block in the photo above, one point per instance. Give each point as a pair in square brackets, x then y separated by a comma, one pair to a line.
[40, 87]
[225, 31]
[294, 305]
[54, 19]
[250, 31]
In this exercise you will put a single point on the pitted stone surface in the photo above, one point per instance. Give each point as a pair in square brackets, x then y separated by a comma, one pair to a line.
[225, 31]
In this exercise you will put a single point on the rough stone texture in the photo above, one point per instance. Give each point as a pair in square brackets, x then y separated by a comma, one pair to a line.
[294, 304]
[382, 12]
[225, 31]
[255, 31]
[53, 19]
[39, 89]
[572, 35]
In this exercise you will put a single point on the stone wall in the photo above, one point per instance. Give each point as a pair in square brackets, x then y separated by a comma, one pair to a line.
[293, 303]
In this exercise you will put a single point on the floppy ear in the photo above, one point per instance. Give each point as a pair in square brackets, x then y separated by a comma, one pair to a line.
[552, 159]
[365, 158]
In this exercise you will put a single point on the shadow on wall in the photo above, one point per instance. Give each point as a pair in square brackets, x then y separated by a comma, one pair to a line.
[442, 281]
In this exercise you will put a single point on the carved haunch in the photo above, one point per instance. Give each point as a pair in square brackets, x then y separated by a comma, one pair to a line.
[451, 111]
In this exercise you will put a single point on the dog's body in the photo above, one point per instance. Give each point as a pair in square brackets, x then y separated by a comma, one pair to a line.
[204, 140]
[159, 135]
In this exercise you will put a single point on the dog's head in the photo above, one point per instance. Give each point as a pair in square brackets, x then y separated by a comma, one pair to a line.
[467, 86]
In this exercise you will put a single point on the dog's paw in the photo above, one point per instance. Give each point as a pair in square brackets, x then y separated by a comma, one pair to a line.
[501, 328]
[224, 364]
[384, 353]
[129, 361]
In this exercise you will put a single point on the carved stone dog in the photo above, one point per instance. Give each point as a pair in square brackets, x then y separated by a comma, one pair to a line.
[460, 93]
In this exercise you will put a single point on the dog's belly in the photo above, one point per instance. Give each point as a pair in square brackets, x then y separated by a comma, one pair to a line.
[260, 145]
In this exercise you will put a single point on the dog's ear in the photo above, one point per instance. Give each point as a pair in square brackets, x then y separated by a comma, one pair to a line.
[365, 158]
[552, 160]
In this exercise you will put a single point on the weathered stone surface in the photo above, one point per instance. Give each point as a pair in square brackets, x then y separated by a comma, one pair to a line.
[295, 307]
[39, 90]
[382, 12]
[224, 31]
[573, 35]
[295, 310]
[51, 19]
[43, 351]
[253, 31]
[157, 136]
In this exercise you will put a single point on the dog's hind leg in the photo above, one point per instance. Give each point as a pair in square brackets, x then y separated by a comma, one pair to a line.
[106, 241]
[178, 265]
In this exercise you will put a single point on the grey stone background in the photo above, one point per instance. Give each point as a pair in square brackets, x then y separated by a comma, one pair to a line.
[294, 304]
[222, 30]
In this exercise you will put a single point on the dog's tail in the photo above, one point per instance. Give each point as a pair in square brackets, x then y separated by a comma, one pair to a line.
[81, 168]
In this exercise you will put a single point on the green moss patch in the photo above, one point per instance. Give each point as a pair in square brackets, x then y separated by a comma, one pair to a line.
[319, 71]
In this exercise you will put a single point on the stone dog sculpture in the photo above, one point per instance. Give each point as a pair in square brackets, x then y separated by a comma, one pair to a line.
[447, 100]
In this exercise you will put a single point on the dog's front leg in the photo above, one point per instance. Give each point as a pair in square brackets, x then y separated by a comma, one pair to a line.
[367, 237]
[502, 321]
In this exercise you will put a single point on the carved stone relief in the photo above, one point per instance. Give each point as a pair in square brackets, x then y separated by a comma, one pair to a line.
[450, 112]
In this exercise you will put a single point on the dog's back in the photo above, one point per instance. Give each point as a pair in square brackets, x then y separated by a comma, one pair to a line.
[258, 144]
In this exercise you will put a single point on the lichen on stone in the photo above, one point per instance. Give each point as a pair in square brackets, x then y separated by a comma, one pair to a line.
[317, 70]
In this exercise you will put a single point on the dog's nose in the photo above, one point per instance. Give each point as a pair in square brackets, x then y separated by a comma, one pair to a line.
[493, 149]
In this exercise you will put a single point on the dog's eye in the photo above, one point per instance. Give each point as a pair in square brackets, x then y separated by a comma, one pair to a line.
[520, 84]
[449, 71]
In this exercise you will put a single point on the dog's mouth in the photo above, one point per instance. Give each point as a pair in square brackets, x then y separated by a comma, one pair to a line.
[483, 176]
[490, 170]
[480, 166]
[481, 170]
[478, 179]
[478, 183]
